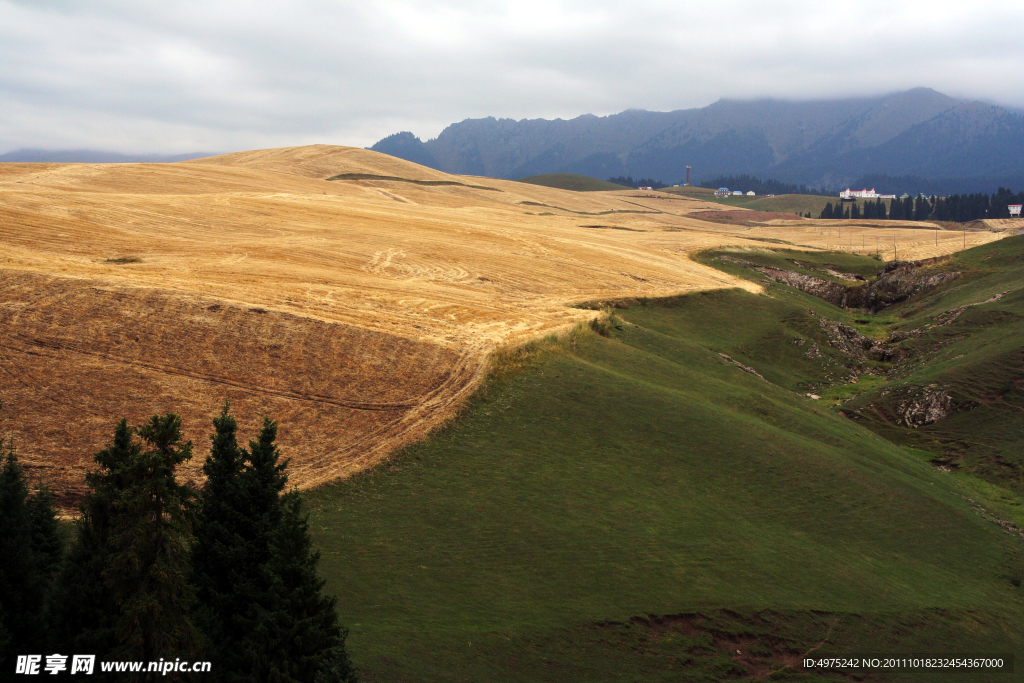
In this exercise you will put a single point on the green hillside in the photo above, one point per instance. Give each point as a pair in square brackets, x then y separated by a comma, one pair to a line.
[783, 203]
[571, 181]
[637, 507]
[957, 350]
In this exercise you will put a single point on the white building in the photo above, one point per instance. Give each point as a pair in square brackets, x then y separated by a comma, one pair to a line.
[849, 194]
[751, 194]
[737, 192]
[1015, 210]
[853, 195]
[722, 192]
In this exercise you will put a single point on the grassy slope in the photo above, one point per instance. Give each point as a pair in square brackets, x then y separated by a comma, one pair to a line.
[978, 358]
[571, 181]
[643, 475]
[784, 203]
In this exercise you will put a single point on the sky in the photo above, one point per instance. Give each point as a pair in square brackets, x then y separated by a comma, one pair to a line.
[223, 75]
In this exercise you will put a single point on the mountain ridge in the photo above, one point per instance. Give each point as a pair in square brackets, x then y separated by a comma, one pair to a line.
[828, 143]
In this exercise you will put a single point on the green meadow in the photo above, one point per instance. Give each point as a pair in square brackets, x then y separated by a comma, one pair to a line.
[625, 504]
[572, 181]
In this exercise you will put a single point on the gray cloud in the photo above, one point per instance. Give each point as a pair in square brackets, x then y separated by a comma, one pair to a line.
[179, 76]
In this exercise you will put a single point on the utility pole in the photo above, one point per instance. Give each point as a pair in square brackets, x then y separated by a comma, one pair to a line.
[894, 247]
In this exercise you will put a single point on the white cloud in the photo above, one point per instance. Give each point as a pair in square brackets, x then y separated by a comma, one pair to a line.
[180, 75]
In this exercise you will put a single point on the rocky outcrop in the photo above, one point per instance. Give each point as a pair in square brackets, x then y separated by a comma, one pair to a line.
[897, 282]
[850, 341]
[918, 406]
[832, 292]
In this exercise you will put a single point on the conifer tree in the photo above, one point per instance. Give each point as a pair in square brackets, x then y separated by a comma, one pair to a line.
[23, 563]
[240, 509]
[82, 610]
[855, 211]
[302, 635]
[846, 213]
[896, 210]
[827, 211]
[150, 533]
[255, 571]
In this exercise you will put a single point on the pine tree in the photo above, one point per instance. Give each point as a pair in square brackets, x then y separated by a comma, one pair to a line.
[82, 611]
[23, 563]
[855, 211]
[241, 507]
[304, 623]
[220, 554]
[846, 213]
[150, 533]
[827, 211]
[255, 569]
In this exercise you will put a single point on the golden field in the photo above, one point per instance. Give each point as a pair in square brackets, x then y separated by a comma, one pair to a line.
[358, 312]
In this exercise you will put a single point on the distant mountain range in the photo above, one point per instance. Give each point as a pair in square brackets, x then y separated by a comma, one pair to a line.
[89, 156]
[918, 140]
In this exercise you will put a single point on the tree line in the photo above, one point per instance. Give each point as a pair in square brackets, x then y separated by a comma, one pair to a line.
[639, 182]
[747, 183]
[955, 208]
[156, 569]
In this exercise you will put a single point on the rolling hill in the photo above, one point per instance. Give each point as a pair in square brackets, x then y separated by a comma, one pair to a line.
[132, 289]
[570, 181]
[649, 495]
[658, 498]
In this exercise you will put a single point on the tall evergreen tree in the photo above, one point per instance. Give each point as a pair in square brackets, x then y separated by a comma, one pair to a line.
[255, 571]
[240, 509]
[300, 636]
[150, 534]
[827, 211]
[895, 209]
[82, 610]
[27, 557]
[855, 211]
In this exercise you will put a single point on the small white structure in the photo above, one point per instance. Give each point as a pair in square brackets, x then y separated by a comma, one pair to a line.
[1015, 210]
[737, 192]
[722, 192]
[751, 194]
[849, 194]
[645, 188]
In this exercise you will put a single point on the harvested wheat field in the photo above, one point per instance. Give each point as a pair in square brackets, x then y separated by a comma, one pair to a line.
[352, 296]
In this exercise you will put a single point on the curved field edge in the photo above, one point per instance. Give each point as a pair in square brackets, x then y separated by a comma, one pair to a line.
[78, 354]
[607, 483]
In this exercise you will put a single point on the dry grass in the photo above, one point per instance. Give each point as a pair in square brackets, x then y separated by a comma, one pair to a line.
[358, 312]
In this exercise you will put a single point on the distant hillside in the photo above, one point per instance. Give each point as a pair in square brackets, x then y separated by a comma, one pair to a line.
[90, 156]
[962, 146]
[571, 181]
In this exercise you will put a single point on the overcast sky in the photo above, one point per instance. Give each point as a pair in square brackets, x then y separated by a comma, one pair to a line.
[174, 76]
